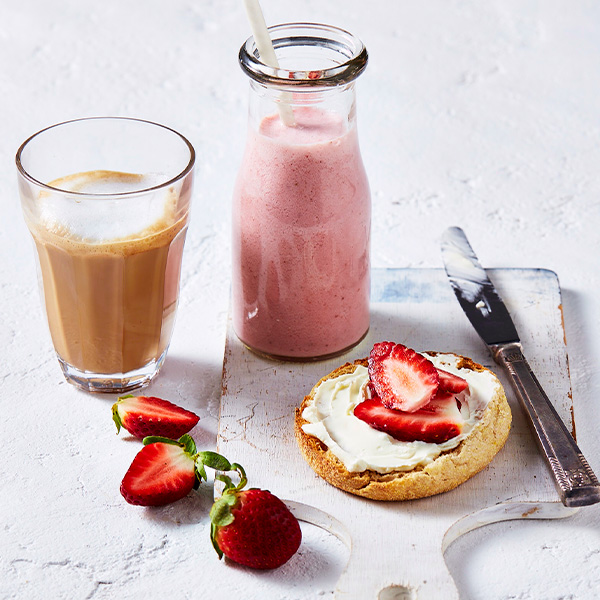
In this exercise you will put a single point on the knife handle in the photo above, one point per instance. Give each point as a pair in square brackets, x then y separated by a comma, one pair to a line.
[576, 483]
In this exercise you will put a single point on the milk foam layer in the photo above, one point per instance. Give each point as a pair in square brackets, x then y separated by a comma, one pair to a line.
[106, 216]
[360, 447]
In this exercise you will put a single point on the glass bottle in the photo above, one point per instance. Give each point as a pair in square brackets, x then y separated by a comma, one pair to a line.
[301, 206]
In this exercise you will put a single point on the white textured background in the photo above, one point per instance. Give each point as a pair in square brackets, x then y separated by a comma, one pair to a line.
[483, 114]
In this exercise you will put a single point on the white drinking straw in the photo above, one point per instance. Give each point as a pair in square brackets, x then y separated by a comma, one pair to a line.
[267, 53]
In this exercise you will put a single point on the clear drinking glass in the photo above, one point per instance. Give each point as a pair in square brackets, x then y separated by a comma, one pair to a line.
[107, 203]
[301, 205]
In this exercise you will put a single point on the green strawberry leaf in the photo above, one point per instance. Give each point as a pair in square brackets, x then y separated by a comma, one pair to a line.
[220, 513]
[200, 470]
[188, 444]
[213, 539]
[153, 439]
[115, 411]
[116, 417]
[214, 461]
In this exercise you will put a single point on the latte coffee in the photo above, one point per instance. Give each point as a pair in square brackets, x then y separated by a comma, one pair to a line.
[106, 200]
[110, 303]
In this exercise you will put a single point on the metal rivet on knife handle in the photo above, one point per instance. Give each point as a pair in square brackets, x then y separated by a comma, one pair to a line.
[576, 483]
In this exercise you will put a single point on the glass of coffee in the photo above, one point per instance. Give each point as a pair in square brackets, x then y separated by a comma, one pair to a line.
[107, 203]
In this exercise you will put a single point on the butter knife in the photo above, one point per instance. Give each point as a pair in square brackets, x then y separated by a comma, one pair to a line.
[575, 481]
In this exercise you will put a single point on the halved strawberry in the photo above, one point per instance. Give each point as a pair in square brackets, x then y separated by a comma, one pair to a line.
[437, 422]
[451, 382]
[402, 378]
[146, 415]
[162, 472]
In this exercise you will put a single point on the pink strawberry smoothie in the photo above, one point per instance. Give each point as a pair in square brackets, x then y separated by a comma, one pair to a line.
[301, 231]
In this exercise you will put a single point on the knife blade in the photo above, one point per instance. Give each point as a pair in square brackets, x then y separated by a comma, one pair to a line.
[575, 481]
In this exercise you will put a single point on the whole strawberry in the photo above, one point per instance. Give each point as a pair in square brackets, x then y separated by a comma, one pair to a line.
[253, 527]
[146, 415]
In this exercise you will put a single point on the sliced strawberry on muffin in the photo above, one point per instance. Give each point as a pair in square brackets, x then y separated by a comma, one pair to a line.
[451, 382]
[401, 378]
[438, 421]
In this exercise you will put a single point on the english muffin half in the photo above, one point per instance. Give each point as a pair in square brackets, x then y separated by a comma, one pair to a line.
[363, 459]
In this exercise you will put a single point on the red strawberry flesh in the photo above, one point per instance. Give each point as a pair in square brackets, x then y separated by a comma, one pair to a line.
[147, 415]
[402, 378]
[437, 422]
[451, 382]
[159, 474]
[264, 534]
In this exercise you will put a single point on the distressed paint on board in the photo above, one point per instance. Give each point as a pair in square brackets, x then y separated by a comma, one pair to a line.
[391, 540]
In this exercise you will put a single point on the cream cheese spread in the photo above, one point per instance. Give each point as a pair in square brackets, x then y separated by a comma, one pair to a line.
[360, 447]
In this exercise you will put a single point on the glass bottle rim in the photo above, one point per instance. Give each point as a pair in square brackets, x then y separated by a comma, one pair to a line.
[352, 53]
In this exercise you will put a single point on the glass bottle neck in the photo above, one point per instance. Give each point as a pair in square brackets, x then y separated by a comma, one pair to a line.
[314, 73]
[266, 101]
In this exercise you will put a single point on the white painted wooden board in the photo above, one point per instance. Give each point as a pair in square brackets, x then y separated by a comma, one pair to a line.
[397, 548]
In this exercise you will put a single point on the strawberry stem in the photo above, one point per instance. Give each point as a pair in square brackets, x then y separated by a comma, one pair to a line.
[243, 479]
[226, 480]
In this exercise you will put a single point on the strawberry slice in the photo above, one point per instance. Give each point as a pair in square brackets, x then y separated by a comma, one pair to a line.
[162, 472]
[402, 378]
[439, 421]
[451, 382]
[146, 415]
